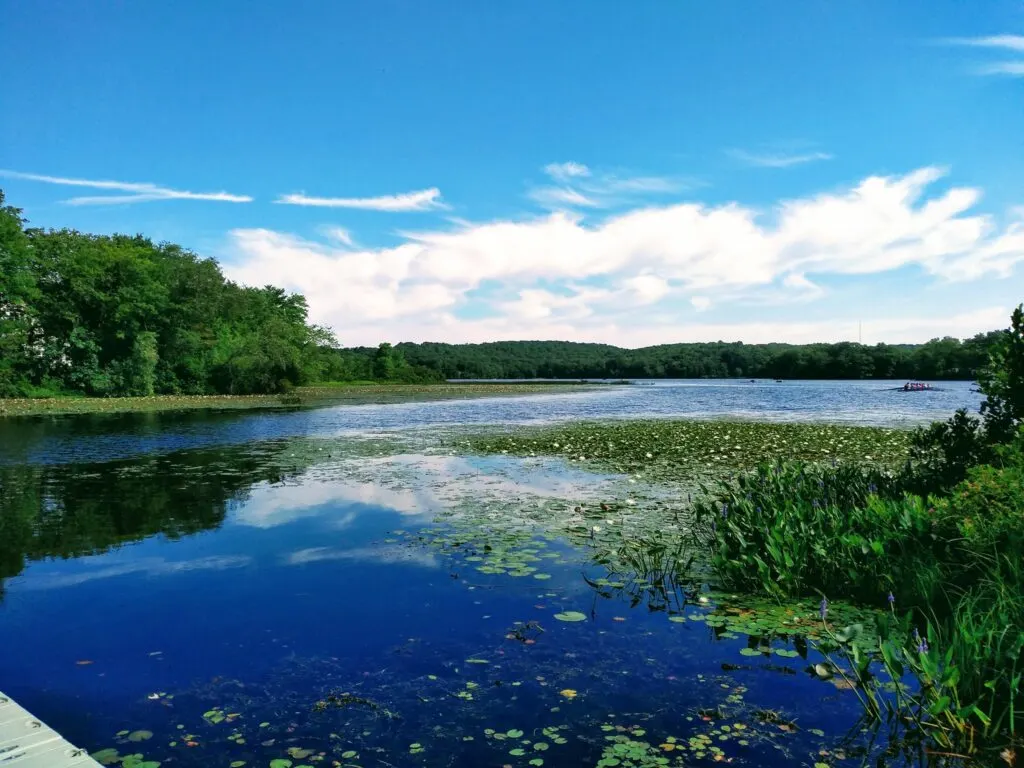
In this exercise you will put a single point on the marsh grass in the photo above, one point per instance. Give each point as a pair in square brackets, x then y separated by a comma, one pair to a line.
[950, 569]
[796, 529]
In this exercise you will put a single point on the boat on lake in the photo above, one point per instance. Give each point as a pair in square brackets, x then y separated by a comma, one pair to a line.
[916, 386]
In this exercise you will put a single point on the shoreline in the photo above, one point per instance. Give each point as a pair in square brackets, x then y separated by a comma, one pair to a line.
[300, 397]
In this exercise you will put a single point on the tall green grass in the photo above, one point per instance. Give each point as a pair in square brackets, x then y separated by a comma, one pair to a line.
[793, 529]
[950, 568]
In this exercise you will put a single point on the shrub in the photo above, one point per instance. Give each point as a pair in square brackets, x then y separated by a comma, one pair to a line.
[941, 454]
[1002, 381]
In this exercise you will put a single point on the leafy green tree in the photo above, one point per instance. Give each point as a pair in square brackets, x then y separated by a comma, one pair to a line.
[1002, 381]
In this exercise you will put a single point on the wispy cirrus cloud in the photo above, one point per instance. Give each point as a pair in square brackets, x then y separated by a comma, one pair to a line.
[1006, 43]
[561, 197]
[577, 186]
[1003, 42]
[422, 200]
[140, 192]
[1012, 68]
[566, 171]
[777, 160]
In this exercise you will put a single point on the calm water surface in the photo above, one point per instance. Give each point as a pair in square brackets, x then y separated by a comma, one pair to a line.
[199, 582]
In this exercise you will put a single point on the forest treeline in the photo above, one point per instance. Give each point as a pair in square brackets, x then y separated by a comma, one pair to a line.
[120, 315]
[945, 358]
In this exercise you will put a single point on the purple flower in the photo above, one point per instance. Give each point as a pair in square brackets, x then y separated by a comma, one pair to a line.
[922, 644]
[759, 510]
[892, 599]
[872, 488]
[823, 609]
[815, 504]
[725, 511]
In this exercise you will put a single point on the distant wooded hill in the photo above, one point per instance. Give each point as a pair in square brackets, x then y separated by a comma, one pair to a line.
[946, 358]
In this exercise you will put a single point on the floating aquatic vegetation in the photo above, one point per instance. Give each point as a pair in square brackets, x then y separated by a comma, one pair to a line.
[571, 616]
[659, 448]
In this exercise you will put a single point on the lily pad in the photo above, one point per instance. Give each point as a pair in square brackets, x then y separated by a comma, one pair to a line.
[571, 616]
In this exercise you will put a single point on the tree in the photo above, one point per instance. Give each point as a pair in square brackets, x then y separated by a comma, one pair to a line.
[1002, 381]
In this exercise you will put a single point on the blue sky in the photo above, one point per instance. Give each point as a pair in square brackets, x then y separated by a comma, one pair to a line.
[629, 173]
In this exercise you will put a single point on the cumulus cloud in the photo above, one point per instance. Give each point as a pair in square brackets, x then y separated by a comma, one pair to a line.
[623, 278]
[140, 192]
[423, 200]
[770, 160]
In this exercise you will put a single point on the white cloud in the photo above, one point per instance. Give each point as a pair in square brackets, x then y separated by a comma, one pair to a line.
[564, 171]
[561, 197]
[768, 160]
[1012, 68]
[140, 191]
[147, 566]
[385, 555]
[423, 200]
[1011, 43]
[1005, 42]
[642, 330]
[578, 187]
[339, 234]
[700, 303]
[647, 289]
[623, 278]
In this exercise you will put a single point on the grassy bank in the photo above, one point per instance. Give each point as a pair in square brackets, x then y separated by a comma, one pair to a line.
[353, 393]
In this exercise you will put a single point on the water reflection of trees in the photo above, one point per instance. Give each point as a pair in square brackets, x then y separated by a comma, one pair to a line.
[69, 510]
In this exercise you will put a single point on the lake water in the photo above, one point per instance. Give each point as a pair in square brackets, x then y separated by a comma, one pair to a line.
[213, 589]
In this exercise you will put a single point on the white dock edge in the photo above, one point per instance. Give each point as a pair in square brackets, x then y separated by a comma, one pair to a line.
[28, 742]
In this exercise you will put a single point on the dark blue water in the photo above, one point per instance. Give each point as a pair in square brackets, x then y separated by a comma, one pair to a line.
[154, 569]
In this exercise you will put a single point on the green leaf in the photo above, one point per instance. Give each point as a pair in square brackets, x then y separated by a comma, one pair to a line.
[571, 616]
